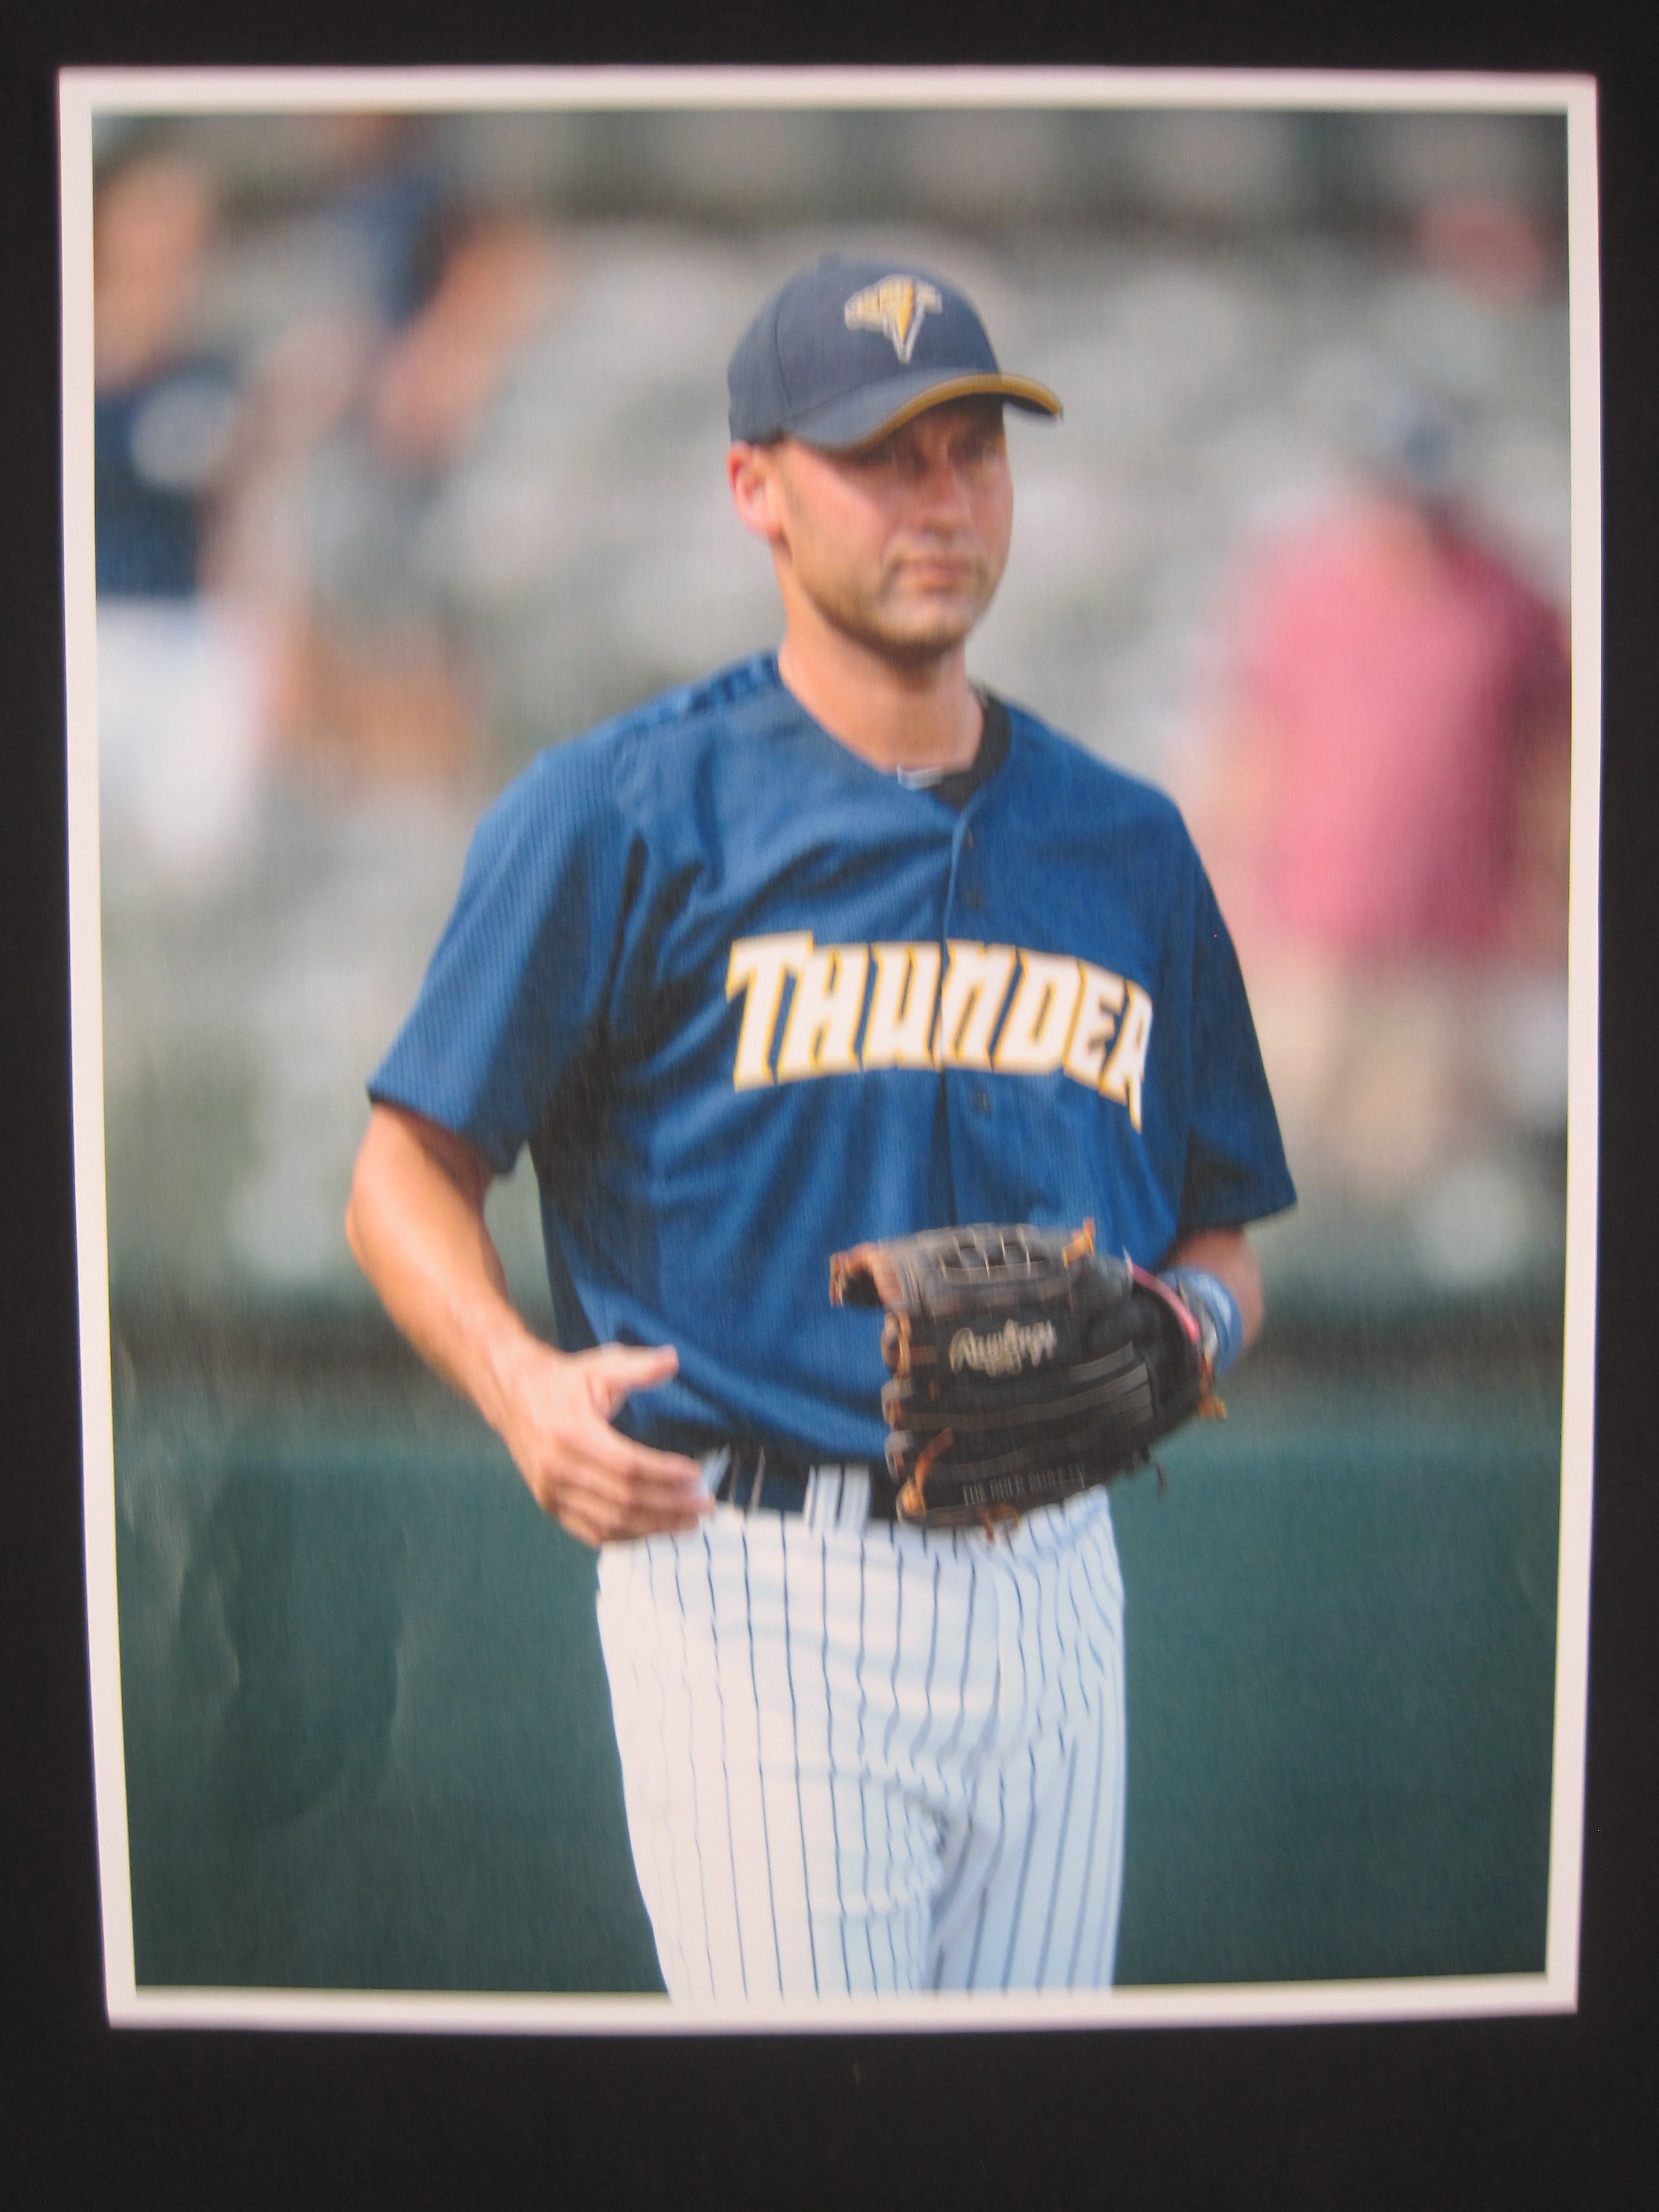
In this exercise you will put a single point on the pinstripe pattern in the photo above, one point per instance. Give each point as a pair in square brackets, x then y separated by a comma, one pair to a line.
[726, 1778]
[762, 1778]
[830, 1760]
[862, 1759]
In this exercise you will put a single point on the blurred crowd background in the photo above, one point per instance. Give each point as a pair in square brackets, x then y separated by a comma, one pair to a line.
[409, 438]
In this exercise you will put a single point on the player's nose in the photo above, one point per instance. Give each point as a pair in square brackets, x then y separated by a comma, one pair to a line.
[941, 490]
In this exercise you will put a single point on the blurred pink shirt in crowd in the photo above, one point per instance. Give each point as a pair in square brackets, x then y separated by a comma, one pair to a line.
[1406, 688]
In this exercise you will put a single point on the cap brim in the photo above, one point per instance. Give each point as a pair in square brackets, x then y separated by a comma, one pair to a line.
[864, 418]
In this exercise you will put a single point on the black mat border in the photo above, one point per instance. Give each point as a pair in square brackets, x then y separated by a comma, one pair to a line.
[1557, 2111]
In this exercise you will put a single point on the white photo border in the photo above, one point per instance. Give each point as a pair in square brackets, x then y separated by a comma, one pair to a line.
[83, 94]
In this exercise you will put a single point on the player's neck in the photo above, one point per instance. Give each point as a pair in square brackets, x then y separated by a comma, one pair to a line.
[894, 716]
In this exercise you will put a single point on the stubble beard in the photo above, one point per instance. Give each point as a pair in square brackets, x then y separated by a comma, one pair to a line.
[910, 631]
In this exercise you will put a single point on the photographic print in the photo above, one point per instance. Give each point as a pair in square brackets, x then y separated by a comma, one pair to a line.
[833, 868]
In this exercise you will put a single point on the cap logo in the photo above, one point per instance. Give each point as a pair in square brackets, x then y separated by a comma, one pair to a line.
[895, 306]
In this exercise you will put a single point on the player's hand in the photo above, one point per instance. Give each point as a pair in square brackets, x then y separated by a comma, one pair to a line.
[599, 1484]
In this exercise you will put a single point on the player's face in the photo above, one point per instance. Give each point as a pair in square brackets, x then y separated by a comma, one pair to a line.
[900, 547]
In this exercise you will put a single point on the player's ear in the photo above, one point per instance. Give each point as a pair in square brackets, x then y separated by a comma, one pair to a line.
[753, 474]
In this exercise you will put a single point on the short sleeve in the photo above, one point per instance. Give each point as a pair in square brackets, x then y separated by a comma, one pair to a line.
[1235, 1170]
[519, 980]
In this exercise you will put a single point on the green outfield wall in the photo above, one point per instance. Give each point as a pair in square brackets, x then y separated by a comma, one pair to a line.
[367, 1742]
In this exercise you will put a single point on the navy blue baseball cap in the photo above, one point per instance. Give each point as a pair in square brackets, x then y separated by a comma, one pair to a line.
[850, 349]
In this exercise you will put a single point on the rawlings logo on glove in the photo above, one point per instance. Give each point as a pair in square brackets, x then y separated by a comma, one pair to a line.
[1006, 1353]
[1025, 1366]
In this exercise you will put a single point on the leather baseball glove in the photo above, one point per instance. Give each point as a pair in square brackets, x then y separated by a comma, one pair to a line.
[1025, 1366]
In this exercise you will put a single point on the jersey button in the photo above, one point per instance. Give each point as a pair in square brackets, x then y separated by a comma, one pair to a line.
[980, 1099]
[967, 840]
[973, 900]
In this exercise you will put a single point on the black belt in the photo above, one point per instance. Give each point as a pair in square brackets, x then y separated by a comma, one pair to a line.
[759, 1481]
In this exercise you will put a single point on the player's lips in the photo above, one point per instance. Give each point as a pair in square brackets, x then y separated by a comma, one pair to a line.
[938, 572]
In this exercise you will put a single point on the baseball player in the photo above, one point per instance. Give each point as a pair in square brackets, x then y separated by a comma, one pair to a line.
[833, 946]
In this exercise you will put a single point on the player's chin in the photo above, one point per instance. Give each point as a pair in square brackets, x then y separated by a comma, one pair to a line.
[923, 625]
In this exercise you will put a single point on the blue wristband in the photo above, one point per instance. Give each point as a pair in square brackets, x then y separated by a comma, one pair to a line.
[1216, 1310]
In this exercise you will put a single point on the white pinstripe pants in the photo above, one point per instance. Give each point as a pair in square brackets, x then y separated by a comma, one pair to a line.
[873, 1761]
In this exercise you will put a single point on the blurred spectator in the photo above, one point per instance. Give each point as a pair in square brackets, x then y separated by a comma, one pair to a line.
[366, 408]
[1382, 801]
[1483, 242]
[419, 308]
[179, 666]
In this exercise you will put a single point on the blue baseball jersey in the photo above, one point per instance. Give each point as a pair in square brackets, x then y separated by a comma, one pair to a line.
[749, 1000]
